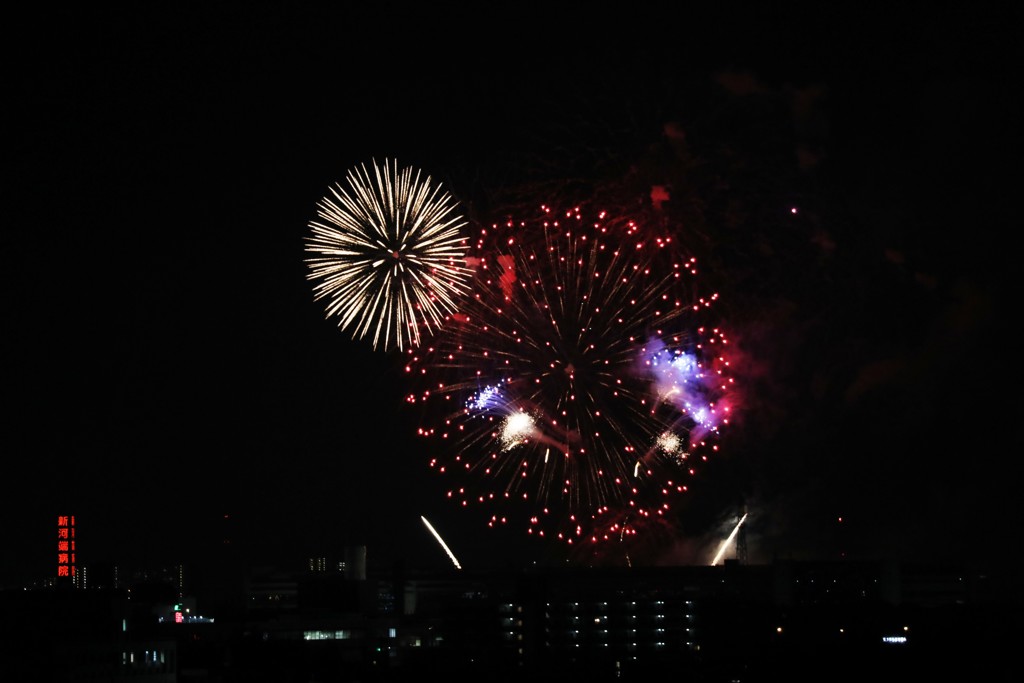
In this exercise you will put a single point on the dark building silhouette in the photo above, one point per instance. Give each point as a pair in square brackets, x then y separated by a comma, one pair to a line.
[329, 619]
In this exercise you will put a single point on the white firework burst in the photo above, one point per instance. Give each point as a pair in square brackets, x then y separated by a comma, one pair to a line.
[388, 255]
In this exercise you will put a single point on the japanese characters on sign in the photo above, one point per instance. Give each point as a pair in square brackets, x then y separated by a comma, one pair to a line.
[66, 546]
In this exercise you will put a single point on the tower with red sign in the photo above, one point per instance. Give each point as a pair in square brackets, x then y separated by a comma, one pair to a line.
[66, 571]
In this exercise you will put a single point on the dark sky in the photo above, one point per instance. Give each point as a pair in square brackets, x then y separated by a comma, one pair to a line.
[166, 363]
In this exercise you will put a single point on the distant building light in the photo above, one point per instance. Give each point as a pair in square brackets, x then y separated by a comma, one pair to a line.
[341, 634]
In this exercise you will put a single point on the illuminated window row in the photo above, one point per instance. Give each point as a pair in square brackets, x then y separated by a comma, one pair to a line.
[340, 634]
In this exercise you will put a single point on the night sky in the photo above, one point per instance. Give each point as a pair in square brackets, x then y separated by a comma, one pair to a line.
[166, 363]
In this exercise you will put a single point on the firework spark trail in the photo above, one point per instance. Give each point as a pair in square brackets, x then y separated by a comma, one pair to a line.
[389, 255]
[727, 541]
[441, 541]
[586, 336]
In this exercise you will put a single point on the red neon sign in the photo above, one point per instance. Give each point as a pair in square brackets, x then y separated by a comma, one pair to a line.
[66, 545]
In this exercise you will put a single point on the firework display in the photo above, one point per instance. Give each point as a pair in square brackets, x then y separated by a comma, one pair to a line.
[577, 388]
[387, 255]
